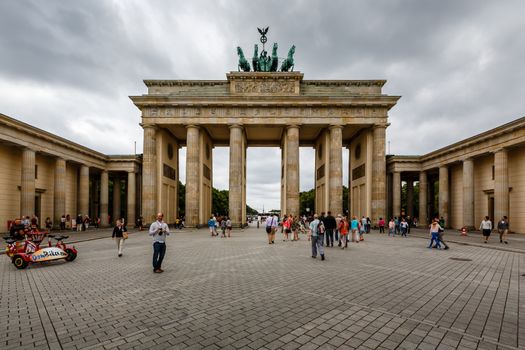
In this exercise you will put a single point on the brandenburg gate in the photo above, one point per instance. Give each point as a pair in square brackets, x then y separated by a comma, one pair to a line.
[264, 109]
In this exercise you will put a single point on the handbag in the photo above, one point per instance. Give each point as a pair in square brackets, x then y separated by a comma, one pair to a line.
[125, 235]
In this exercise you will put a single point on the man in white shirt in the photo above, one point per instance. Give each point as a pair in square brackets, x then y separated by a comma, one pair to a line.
[271, 226]
[159, 230]
[317, 239]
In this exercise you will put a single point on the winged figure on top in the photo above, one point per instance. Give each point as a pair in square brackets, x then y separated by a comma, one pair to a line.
[264, 62]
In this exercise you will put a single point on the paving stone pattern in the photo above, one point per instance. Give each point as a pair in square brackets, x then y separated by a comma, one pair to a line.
[241, 293]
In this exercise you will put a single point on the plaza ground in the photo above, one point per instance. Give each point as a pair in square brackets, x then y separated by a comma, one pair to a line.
[242, 293]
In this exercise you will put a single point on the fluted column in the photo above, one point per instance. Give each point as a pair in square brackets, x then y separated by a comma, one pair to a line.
[423, 199]
[335, 175]
[379, 195]
[27, 186]
[59, 199]
[116, 199]
[104, 198]
[501, 185]
[193, 178]
[410, 198]
[468, 193]
[131, 199]
[292, 170]
[396, 193]
[235, 198]
[83, 190]
[443, 194]
[149, 174]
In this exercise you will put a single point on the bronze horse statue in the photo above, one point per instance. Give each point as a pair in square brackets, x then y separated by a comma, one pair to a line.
[288, 63]
[255, 59]
[275, 59]
[243, 63]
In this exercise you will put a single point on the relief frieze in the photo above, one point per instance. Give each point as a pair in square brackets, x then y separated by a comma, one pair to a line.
[264, 87]
[262, 112]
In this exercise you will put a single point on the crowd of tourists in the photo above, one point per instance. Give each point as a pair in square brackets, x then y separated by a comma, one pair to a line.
[321, 230]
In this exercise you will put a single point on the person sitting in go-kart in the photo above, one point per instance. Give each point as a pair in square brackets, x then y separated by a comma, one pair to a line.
[17, 231]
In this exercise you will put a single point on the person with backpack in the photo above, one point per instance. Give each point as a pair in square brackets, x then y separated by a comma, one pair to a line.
[354, 226]
[228, 226]
[211, 226]
[271, 225]
[343, 231]
[223, 228]
[404, 228]
[317, 234]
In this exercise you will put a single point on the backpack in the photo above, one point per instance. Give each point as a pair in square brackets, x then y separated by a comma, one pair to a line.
[320, 228]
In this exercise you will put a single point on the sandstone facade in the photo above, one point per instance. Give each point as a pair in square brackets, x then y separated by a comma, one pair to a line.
[479, 176]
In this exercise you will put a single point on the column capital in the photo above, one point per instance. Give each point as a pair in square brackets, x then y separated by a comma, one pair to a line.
[193, 126]
[331, 127]
[236, 126]
[149, 126]
[28, 149]
[500, 150]
[380, 126]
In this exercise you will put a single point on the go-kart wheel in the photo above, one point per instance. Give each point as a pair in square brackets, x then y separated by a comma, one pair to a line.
[19, 262]
[71, 255]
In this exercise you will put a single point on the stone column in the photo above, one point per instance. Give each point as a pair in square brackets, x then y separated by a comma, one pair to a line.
[104, 198]
[83, 191]
[349, 183]
[379, 196]
[468, 193]
[236, 175]
[423, 199]
[116, 199]
[27, 186]
[60, 191]
[410, 198]
[292, 170]
[149, 174]
[131, 199]
[193, 178]
[501, 185]
[396, 193]
[335, 175]
[443, 194]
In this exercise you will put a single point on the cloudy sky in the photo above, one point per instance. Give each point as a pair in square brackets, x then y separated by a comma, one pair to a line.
[68, 67]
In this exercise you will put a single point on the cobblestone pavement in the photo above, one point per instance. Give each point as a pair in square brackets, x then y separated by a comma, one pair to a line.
[241, 293]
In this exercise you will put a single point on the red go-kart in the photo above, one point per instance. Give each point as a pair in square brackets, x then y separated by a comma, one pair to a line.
[30, 251]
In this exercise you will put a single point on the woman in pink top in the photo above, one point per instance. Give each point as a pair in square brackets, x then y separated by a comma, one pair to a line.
[381, 225]
[287, 225]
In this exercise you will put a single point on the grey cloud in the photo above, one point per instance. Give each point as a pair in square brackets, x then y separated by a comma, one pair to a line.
[457, 65]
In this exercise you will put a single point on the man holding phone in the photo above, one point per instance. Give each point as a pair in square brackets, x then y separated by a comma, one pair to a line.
[159, 230]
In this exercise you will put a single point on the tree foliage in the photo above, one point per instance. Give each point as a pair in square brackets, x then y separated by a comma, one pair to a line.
[219, 198]
[307, 201]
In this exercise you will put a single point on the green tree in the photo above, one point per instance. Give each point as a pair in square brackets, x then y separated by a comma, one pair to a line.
[345, 201]
[220, 201]
[307, 200]
[182, 199]
[250, 210]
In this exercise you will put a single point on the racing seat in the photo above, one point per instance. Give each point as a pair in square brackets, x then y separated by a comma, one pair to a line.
[59, 238]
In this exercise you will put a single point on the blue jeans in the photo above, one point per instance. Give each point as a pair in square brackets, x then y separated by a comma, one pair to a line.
[435, 238]
[317, 245]
[159, 250]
